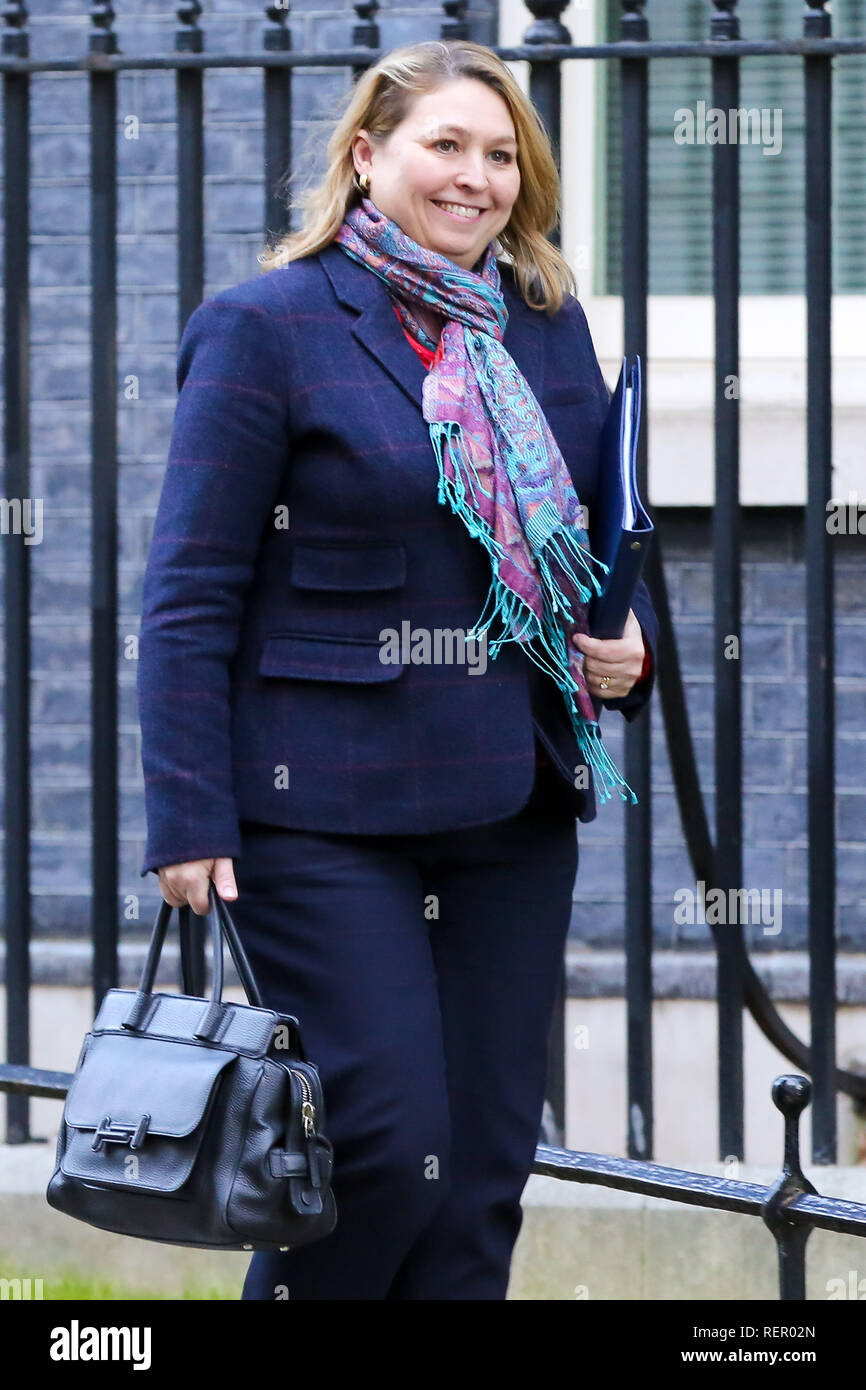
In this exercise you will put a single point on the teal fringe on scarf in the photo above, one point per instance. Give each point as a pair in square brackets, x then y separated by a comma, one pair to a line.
[510, 608]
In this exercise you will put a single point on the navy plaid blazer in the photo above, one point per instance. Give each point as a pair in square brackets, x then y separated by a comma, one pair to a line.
[299, 518]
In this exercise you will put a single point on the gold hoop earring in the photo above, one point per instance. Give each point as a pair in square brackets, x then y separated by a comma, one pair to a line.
[362, 183]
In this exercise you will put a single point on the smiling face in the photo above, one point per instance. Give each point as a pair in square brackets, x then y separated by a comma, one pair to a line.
[447, 175]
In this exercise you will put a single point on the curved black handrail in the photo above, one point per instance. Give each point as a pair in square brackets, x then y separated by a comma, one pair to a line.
[693, 817]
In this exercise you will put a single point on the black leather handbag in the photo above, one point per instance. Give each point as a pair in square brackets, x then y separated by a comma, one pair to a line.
[194, 1121]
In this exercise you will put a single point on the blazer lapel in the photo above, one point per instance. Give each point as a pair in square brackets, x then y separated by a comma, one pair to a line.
[379, 330]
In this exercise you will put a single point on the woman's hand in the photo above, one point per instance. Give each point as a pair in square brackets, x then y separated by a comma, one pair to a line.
[189, 882]
[617, 660]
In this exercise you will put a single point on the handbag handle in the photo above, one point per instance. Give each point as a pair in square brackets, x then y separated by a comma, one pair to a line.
[192, 979]
[192, 965]
[222, 926]
[192, 974]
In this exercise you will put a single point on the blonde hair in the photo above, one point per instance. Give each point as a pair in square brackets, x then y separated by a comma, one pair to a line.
[378, 102]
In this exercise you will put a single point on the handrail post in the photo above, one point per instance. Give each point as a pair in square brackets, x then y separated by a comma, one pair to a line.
[791, 1096]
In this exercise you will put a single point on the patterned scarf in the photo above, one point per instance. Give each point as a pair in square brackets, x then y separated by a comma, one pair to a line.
[500, 467]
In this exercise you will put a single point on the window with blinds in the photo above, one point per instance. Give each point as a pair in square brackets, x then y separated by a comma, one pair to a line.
[772, 187]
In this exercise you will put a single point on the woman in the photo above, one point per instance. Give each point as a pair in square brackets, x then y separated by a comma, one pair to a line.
[376, 440]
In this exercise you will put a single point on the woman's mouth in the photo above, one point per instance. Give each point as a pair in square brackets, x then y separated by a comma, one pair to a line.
[458, 212]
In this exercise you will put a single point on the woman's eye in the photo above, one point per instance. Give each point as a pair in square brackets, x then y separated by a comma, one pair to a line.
[506, 160]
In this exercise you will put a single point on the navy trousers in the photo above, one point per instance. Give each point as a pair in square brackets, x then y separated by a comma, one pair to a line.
[423, 970]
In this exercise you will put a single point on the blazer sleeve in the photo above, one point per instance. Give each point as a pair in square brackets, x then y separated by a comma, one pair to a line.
[227, 457]
[629, 705]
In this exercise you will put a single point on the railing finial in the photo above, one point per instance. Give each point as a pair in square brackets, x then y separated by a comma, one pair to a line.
[547, 26]
[365, 34]
[634, 23]
[103, 38]
[188, 38]
[791, 1095]
[725, 24]
[277, 38]
[817, 23]
[455, 25]
[16, 40]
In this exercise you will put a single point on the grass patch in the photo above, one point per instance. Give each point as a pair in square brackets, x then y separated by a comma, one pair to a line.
[71, 1286]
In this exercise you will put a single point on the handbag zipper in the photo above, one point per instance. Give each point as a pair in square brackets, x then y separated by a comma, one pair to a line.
[308, 1113]
[308, 1109]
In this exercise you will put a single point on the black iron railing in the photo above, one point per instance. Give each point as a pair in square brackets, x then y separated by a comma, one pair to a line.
[789, 1210]
[791, 1207]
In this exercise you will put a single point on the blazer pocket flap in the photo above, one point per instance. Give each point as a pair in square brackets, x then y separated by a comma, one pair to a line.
[348, 567]
[318, 658]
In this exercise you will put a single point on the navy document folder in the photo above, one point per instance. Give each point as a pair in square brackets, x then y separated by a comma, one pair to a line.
[620, 531]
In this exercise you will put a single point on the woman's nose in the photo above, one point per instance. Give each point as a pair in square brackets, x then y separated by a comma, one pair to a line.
[472, 175]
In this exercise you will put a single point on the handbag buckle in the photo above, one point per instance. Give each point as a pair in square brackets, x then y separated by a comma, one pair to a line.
[109, 1131]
